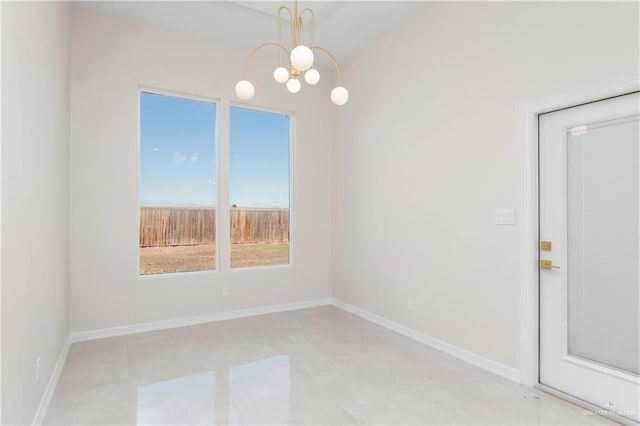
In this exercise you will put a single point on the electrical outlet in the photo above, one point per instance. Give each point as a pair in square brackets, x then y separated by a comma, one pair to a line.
[225, 291]
[38, 369]
[410, 304]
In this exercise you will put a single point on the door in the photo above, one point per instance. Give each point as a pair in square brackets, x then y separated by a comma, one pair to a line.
[589, 253]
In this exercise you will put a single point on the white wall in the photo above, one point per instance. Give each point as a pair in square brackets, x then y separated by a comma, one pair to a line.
[111, 56]
[35, 196]
[430, 144]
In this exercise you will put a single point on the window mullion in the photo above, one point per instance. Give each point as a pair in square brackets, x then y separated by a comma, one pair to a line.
[223, 213]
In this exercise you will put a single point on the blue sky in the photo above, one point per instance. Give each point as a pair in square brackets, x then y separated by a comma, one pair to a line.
[259, 170]
[178, 154]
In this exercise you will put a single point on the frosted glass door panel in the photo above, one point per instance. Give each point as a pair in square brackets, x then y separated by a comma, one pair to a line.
[602, 179]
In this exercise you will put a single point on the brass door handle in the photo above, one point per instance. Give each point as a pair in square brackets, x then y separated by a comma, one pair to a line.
[548, 265]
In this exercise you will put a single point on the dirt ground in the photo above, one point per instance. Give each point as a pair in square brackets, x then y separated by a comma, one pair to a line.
[158, 260]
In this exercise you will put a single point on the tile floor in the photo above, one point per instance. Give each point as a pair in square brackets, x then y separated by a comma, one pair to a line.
[312, 366]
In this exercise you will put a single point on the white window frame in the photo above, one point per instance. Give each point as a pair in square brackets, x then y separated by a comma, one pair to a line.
[291, 115]
[222, 196]
[218, 102]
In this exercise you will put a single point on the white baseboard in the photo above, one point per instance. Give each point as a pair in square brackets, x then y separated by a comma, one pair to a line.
[472, 358]
[487, 364]
[82, 336]
[51, 386]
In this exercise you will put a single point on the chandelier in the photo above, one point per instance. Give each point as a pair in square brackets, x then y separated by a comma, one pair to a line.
[299, 59]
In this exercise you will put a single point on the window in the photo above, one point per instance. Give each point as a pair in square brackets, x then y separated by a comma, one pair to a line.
[177, 184]
[259, 187]
[178, 170]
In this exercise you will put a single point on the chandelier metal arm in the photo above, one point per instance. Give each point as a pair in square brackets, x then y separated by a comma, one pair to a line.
[254, 51]
[312, 22]
[335, 62]
[280, 27]
[296, 25]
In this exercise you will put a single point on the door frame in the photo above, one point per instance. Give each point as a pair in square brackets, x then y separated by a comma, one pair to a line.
[529, 206]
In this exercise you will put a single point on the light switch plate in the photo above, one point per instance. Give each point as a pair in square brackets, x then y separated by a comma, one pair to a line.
[505, 217]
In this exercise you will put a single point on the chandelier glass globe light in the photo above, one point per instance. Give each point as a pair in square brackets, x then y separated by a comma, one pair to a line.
[244, 90]
[300, 57]
[339, 95]
[281, 75]
[312, 76]
[294, 85]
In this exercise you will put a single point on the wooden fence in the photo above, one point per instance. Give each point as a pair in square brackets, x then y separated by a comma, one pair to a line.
[181, 226]
[259, 225]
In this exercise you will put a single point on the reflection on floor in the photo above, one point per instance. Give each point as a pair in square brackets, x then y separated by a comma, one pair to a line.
[258, 393]
[189, 399]
[313, 366]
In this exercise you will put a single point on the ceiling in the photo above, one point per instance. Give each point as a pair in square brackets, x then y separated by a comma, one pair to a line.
[344, 27]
